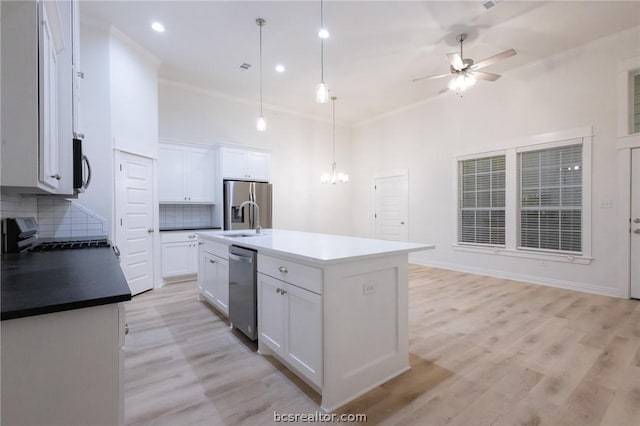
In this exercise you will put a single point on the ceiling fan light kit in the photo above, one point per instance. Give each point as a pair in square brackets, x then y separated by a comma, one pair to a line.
[465, 71]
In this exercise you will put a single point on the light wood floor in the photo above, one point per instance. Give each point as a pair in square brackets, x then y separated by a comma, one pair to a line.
[484, 351]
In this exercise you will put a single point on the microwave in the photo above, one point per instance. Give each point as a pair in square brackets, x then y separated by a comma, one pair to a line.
[81, 168]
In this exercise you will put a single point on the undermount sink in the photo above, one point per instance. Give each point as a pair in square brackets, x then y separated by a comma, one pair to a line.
[242, 235]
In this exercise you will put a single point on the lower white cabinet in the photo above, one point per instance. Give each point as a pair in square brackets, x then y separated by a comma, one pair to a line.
[213, 276]
[179, 254]
[290, 325]
[64, 368]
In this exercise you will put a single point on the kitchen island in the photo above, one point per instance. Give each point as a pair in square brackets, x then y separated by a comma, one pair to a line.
[332, 308]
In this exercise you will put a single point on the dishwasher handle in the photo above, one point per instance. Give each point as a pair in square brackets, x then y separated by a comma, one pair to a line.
[240, 258]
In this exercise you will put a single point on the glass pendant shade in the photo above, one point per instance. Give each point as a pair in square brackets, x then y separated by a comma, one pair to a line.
[322, 93]
[462, 82]
[261, 124]
[334, 177]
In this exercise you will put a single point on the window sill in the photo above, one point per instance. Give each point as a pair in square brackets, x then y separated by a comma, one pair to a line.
[551, 257]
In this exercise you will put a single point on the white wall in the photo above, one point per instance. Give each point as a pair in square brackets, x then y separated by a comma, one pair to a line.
[134, 96]
[300, 153]
[575, 89]
[96, 115]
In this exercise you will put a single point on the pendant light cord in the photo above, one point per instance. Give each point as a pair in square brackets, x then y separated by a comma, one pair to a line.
[321, 42]
[334, 129]
[261, 24]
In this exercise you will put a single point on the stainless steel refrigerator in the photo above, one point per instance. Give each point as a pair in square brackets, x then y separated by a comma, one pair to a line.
[235, 193]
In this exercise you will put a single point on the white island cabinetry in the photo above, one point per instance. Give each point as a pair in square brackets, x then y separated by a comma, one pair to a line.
[213, 275]
[333, 309]
[290, 316]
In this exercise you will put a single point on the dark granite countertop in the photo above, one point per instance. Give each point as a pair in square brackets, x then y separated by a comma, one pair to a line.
[189, 228]
[55, 281]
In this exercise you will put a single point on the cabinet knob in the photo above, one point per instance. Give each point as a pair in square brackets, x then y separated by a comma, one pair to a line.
[212, 261]
[150, 230]
[636, 231]
[200, 243]
[636, 220]
[56, 176]
[283, 269]
[278, 290]
[283, 292]
[192, 236]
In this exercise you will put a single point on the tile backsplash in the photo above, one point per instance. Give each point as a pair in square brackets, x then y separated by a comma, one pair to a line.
[60, 218]
[185, 216]
[57, 217]
[16, 205]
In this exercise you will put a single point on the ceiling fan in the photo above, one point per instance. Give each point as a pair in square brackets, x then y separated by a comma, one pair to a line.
[465, 71]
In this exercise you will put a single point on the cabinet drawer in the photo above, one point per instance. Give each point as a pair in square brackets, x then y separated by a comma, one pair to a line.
[177, 237]
[216, 249]
[303, 276]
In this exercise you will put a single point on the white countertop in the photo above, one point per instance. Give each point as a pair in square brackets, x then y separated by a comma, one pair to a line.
[318, 248]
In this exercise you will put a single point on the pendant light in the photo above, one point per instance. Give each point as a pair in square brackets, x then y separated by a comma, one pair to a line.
[334, 177]
[322, 90]
[261, 124]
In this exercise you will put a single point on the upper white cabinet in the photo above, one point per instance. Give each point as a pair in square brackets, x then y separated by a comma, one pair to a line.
[186, 174]
[37, 98]
[244, 164]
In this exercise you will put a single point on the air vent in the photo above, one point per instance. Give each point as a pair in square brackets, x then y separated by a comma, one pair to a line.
[490, 4]
[245, 66]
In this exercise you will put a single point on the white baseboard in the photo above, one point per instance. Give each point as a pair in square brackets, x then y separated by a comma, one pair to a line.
[531, 279]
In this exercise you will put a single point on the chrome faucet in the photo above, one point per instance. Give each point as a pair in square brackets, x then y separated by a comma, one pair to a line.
[258, 228]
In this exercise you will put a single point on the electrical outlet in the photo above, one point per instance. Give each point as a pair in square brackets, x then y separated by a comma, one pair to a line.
[368, 288]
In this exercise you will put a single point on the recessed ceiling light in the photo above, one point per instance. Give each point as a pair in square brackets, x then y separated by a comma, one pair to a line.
[323, 33]
[280, 68]
[157, 26]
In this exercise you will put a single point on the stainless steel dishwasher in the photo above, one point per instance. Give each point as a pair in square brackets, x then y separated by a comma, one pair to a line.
[243, 290]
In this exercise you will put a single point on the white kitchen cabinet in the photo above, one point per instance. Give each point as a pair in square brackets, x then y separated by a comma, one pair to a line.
[37, 98]
[179, 254]
[290, 324]
[213, 277]
[186, 174]
[64, 368]
[244, 164]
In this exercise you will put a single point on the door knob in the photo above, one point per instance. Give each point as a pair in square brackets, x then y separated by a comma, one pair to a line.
[150, 230]
[636, 220]
[402, 223]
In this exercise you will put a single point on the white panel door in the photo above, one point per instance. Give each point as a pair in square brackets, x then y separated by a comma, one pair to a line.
[134, 227]
[392, 208]
[303, 323]
[200, 184]
[635, 223]
[271, 313]
[171, 173]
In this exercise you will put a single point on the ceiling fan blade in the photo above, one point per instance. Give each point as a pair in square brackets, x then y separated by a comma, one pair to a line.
[488, 76]
[456, 61]
[431, 77]
[493, 59]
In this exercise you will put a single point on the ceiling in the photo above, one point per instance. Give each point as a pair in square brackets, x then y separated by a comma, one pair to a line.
[376, 47]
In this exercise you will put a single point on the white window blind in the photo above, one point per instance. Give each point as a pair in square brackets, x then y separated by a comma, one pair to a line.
[550, 198]
[481, 201]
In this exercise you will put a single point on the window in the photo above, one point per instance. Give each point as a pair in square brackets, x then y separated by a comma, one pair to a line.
[481, 203]
[528, 198]
[550, 199]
